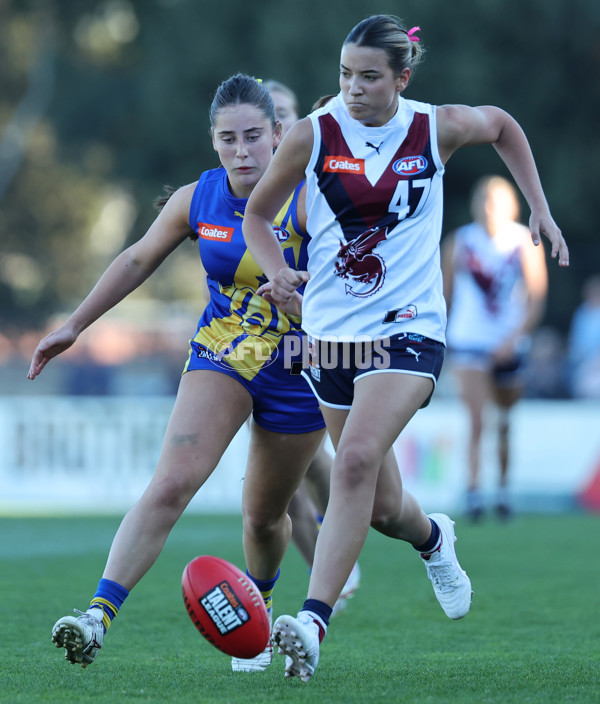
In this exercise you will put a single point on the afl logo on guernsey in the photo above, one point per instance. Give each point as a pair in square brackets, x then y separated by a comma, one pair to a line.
[344, 165]
[410, 165]
[281, 233]
[215, 232]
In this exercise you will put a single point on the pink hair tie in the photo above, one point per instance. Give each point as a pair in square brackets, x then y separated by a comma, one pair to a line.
[411, 32]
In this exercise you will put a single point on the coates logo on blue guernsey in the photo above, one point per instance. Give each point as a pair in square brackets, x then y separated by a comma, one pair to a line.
[410, 165]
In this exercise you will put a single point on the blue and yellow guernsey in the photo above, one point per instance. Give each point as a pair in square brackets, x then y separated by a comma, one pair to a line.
[240, 330]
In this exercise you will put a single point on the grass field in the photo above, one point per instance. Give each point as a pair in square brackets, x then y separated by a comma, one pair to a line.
[533, 634]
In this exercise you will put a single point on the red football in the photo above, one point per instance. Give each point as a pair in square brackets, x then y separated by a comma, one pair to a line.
[225, 606]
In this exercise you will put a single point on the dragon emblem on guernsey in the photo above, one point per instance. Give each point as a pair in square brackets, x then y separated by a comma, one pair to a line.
[357, 262]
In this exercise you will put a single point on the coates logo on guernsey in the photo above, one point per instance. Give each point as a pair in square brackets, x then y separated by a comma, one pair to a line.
[410, 165]
[344, 165]
[216, 233]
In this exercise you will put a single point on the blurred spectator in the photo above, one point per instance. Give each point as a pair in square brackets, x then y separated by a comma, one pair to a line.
[545, 371]
[584, 343]
[545, 375]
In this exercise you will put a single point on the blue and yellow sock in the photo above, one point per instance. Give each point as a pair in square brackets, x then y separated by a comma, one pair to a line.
[265, 587]
[109, 598]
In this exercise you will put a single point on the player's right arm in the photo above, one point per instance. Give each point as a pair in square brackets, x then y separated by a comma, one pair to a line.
[284, 173]
[128, 271]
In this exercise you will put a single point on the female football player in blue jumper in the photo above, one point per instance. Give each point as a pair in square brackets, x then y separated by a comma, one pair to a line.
[240, 361]
[373, 164]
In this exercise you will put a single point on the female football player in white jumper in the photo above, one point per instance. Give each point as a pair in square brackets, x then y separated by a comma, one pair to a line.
[373, 164]
[495, 284]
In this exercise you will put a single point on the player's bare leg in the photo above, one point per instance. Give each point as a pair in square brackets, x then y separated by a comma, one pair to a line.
[189, 455]
[366, 434]
[197, 435]
[277, 462]
[474, 386]
[318, 476]
[505, 397]
[305, 530]
[362, 479]
[312, 496]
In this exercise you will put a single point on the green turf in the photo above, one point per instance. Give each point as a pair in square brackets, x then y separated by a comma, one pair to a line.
[533, 634]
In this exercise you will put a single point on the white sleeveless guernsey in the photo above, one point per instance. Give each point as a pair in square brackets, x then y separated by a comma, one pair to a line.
[374, 203]
[488, 292]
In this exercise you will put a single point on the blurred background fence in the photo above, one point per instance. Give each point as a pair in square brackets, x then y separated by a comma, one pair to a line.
[96, 455]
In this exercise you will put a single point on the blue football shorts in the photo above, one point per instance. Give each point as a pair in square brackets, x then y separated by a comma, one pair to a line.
[282, 400]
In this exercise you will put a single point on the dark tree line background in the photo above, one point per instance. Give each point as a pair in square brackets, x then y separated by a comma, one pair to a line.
[104, 101]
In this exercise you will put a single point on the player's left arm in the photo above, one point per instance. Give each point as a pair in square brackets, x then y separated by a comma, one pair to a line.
[462, 125]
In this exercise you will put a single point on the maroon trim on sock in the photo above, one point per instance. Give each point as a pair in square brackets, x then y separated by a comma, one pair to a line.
[322, 632]
[427, 555]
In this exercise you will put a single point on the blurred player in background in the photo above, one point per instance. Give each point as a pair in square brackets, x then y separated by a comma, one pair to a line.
[495, 285]
[374, 163]
[287, 109]
[240, 362]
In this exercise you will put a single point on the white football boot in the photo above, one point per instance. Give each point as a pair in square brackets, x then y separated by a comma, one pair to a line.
[298, 640]
[352, 584]
[451, 585]
[81, 637]
[259, 662]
